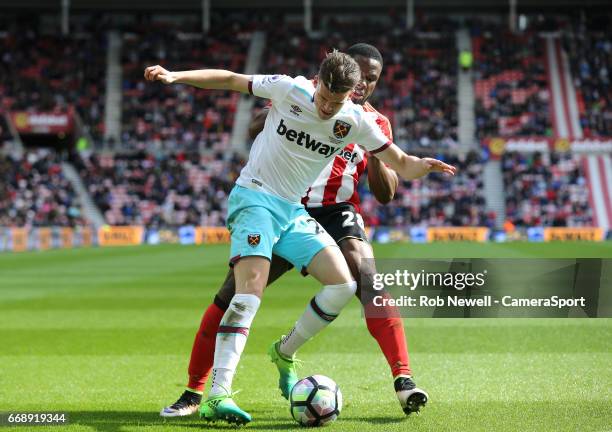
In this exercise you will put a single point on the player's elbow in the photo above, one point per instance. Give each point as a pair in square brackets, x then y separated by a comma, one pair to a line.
[383, 186]
[386, 199]
[230, 81]
[234, 81]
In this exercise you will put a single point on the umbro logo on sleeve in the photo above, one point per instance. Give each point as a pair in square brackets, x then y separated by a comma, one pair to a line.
[295, 110]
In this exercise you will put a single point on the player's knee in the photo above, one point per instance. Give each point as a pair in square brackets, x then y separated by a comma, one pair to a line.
[366, 291]
[251, 275]
[353, 260]
[332, 298]
[350, 288]
[366, 279]
[362, 269]
[358, 260]
[344, 268]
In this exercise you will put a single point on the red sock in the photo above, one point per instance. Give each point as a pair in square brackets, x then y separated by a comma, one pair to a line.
[389, 333]
[203, 351]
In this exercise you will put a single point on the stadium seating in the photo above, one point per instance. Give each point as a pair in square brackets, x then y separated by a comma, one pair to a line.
[34, 193]
[420, 78]
[54, 73]
[512, 97]
[161, 191]
[417, 90]
[544, 190]
[180, 117]
[169, 170]
[436, 201]
[590, 53]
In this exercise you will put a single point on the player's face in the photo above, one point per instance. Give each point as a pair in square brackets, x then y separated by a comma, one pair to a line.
[328, 104]
[370, 73]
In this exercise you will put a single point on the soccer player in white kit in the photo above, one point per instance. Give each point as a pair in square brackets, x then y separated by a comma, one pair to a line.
[309, 123]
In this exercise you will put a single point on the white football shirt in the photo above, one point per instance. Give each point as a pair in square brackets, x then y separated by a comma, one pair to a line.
[295, 144]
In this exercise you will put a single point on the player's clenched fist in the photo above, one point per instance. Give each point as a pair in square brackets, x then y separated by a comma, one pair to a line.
[158, 73]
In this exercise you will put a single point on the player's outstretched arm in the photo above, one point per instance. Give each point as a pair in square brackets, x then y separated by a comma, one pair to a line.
[382, 180]
[412, 167]
[217, 79]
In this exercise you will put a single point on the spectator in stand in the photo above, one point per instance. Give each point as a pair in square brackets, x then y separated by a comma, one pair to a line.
[185, 118]
[545, 190]
[589, 46]
[418, 89]
[427, 203]
[34, 192]
[512, 97]
[54, 73]
[161, 191]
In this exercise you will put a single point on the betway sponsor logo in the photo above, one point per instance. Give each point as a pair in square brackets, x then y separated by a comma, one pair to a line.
[348, 155]
[303, 139]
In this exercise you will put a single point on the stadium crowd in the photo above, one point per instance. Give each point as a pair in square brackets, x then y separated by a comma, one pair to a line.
[175, 173]
[437, 200]
[417, 89]
[512, 97]
[34, 192]
[545, 190]
[52, 73]
[188, 189]
[180, 117]
[590, 53]
[170, 190]
[160, 191]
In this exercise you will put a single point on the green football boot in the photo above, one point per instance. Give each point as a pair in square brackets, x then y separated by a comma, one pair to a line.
[223, 408]
[286, 369]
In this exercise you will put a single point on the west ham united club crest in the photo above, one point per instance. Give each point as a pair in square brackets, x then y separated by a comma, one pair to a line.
[341, 129]
[254, 239]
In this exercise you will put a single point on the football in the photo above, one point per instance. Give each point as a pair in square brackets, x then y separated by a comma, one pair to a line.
[315, 401]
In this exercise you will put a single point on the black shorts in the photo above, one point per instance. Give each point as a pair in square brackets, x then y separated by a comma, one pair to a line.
[340, 221]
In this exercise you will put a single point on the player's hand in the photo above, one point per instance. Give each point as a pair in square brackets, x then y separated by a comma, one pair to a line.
[435, 165]
[158, 73]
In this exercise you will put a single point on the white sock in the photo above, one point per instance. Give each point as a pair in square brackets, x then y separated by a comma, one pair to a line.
[231, 339]
[322, 310]
[221, 382]
[290, 343]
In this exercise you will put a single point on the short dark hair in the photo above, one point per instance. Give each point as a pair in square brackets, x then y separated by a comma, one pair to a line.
[365, 50]
[339, 72]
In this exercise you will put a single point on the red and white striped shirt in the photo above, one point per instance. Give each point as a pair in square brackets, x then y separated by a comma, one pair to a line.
[337, 183]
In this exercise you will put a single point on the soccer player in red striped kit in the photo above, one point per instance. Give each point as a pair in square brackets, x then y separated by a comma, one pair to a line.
[334, 202]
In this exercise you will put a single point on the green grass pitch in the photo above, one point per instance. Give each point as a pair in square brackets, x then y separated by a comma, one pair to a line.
[105, 335]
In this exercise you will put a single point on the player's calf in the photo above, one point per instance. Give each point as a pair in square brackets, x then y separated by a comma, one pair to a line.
[322, 310]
